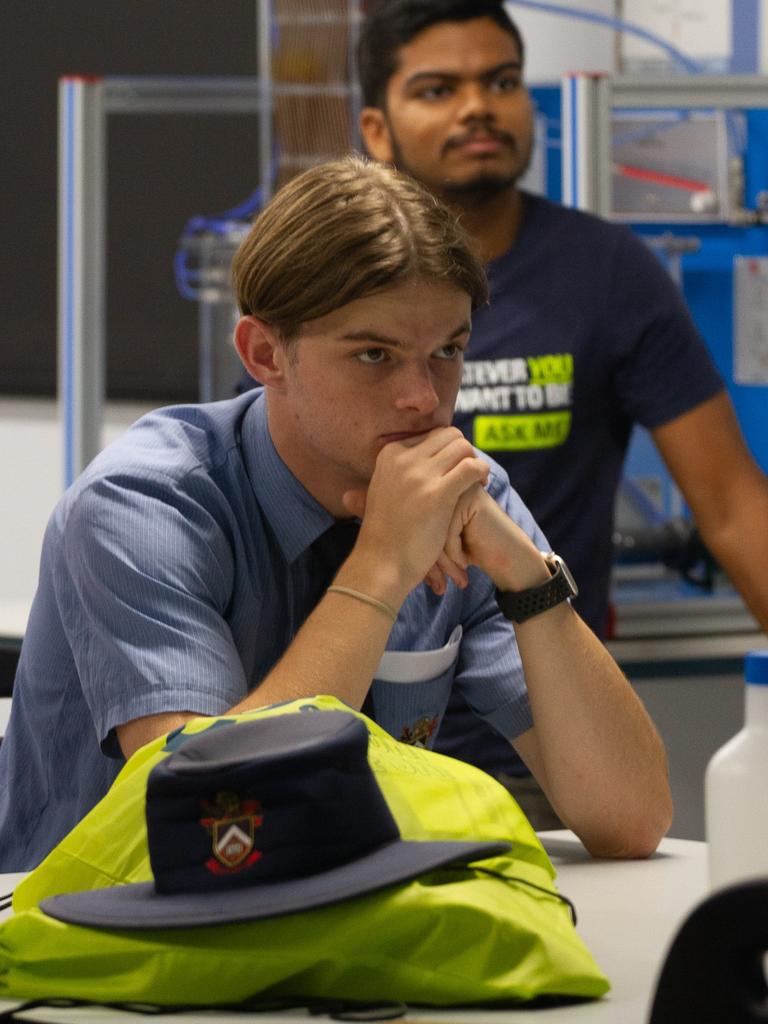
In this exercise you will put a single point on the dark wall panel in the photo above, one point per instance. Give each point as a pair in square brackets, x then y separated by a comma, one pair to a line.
[162, 170]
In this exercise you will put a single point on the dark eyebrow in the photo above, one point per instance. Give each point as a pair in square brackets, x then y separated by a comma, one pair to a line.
[508, 65]
[383, 339]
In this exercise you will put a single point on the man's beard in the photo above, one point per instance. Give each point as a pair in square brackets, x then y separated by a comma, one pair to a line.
[481, 189]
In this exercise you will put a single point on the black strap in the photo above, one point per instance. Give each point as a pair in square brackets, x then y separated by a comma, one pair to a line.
[338, 1009]
[477, 869]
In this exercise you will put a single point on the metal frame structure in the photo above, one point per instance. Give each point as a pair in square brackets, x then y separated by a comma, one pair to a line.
[85, 104]
[587, 104]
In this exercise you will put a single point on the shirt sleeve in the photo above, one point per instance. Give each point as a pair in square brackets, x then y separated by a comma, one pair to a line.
[662, 367]
[144, 582]
[490, 672]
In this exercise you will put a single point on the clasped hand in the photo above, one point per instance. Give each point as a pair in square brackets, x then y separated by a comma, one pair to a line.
[426, 511]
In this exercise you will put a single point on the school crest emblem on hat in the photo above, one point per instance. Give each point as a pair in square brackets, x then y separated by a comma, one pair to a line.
[232, 823]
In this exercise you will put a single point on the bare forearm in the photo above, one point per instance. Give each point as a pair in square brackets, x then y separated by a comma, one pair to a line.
[599, 756]
[335, 652]
[593, 747]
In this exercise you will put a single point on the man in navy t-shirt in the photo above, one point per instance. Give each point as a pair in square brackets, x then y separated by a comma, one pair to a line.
[585, 333]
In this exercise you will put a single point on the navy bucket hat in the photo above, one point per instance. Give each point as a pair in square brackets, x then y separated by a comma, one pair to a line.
[261, 819]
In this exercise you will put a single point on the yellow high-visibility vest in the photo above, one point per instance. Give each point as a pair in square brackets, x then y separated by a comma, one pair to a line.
[452, 936]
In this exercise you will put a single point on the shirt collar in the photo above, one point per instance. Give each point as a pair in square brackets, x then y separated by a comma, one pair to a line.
[277, 490]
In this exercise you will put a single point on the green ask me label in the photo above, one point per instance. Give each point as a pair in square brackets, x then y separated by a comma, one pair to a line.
[521, 433]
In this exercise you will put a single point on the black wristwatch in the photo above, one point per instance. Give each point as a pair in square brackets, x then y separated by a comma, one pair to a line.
[519, 605]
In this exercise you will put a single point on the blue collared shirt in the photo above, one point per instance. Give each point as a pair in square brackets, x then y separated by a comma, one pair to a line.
[172, 578]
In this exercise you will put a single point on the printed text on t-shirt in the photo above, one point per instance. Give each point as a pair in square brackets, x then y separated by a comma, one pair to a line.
[536, 395]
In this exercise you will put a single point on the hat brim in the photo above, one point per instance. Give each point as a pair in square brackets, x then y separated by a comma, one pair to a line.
[139, 905]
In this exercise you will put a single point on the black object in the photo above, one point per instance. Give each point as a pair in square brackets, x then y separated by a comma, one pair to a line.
[714, 970]
[328, 553]
[335, 1009]
[676, 543]
[519, 605]
[9, 660]
[264, 818]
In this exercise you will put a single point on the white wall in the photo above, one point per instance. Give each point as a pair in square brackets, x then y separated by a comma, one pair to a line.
[31, 475]
[701, 29]
[556, 44]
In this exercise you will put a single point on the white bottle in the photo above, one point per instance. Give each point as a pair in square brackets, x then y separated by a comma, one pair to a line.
[736, 789]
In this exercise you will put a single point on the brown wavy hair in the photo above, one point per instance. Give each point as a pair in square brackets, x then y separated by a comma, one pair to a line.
[341, 231]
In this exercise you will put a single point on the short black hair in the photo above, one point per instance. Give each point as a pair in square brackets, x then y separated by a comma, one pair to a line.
[390, 24]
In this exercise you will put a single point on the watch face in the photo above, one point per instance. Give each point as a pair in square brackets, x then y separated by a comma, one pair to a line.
[567, 574]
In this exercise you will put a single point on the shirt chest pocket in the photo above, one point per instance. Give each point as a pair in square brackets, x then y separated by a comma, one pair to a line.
[411, 689]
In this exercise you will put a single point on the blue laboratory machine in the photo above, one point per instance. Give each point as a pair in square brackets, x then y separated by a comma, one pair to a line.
[682, 160]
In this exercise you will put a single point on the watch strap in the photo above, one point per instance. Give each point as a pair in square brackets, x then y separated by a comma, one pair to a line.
[520, 605]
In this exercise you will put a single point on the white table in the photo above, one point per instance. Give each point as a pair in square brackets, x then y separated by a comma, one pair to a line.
[628, 913]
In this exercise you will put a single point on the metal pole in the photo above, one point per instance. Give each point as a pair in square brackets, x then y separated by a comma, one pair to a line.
[82, 258]
[354, 17]
[586, 152]
[264, 30]
[694, 92]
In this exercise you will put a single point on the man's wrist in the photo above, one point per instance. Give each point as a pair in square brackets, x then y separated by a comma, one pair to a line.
[521, 605]
[373, 576]
[525, 570]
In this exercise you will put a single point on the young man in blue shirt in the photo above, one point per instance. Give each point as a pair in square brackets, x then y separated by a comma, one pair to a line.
[181, 573]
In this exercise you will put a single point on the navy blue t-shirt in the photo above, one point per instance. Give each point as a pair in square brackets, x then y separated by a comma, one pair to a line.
[585, 334]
